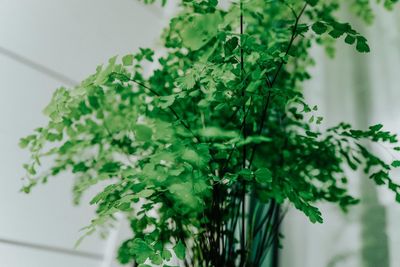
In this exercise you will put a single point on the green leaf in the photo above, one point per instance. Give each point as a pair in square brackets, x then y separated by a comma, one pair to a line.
[166, 254]
[94, 102]
[314, 215]
[200, 29]
[141, 250]
[336, 33]
[350, 39]
[312, 134]
[247, 174]
[110, 167]
[380, 177]
[166, 101]
[319, 27]
[398, 197]
[81, 167]
[198, 157]
[180, 250]
[230, 46]
[254, 140]
[396, 163]
[24, 142]
[376, 128]
[124, 207]
[145, 193]
[187, 81]
[143, 132]
[362, 45]
[127, 60]
[103, 74]
[263, 176]
[217, 133]
[156, 259]
[184, 196]
[312, 2]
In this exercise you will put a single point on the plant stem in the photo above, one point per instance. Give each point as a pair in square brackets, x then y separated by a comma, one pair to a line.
[244, 150]
[274, 79]
[275, 247]
[173, 111]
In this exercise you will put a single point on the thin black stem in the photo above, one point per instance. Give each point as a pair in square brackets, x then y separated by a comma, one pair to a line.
[184, 124]
[275, 77]
[173, 111]
[275, 248]
[293, 37]
[272, 238]
[265, 232]
[244, 149]
[271, 221]
[225, 166]
[263, 119]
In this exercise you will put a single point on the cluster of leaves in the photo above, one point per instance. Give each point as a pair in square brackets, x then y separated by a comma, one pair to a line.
[200, 153]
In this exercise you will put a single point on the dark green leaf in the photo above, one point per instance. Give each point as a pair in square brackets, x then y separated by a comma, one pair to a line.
[312, 2]
[263, 176]
[350, 39]
[362, 45]
[319, 27]
[396, 163]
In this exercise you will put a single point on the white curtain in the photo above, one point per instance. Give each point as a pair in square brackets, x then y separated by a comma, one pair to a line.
[363, 90]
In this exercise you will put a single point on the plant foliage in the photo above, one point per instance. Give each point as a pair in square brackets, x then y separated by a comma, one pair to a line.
[200, 153]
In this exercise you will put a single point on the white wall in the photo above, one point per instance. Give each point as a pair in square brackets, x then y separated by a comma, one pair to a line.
[45, 44]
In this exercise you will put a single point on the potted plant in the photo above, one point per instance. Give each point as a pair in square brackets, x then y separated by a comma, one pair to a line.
[201, 153]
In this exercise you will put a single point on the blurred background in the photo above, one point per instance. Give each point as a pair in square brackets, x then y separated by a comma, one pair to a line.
[45, 44]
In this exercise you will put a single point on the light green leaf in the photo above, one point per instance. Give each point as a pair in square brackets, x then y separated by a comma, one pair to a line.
[254, 140]
[187, 81]
[217, 133]
[103, 74]
[166, 254]
[180, 250]
[200, 29]
[166, 101]
[145, 193]
[127, 60]
[143, 132]
[156, 259]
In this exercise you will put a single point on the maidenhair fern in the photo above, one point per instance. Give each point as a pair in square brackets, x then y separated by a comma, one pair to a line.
[201, 153]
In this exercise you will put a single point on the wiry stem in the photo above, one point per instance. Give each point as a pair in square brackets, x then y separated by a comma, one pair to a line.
[244, 150]
[173, 111]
